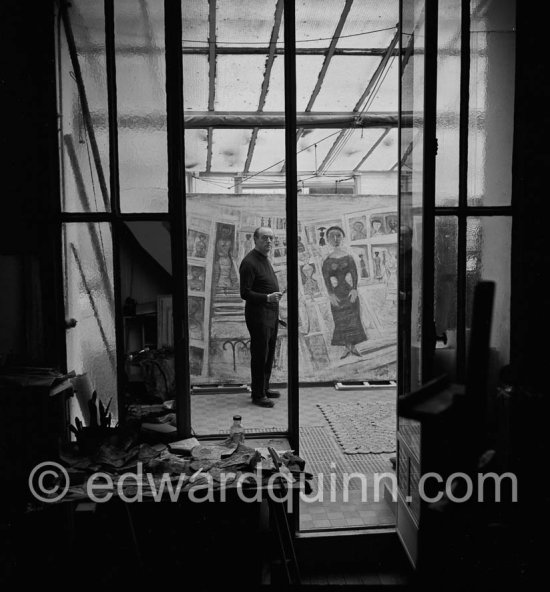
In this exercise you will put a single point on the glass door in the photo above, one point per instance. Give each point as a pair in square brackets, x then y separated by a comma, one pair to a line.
[418, 24]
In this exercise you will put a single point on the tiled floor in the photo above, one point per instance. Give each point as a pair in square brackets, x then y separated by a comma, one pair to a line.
[331, 505]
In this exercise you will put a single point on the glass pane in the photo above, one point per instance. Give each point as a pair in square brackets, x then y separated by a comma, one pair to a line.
[307, 74]
[250, 23]
[347, 279]
[491, 116]
[146, 303]
[385, 96]
[238, 82]
[141, 95]
[229, 149]
[370, 24]
[448, 103]
[84, 136]
[488, 257]
[89, 299]
[219, 235]
[445, 294]
[340, 91]
[316, 21]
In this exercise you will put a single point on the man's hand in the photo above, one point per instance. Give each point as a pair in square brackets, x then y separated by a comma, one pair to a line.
[274, 296]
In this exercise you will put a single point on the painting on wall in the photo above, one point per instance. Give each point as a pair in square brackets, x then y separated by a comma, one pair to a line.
[197, 243]
[196, 317]
[391, 223]
[377, 226]
[196, 278]
[362, 254]
[225, 274]
[358, 228]
[310, 280]
[195, 360]
[378, 266]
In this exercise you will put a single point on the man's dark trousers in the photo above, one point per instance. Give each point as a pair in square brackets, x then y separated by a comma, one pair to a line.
[262, 351]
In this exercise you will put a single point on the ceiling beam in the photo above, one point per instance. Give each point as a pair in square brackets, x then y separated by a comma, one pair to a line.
[267, 120]
[244, 50]
[276, 119]
[211, 74]
[343, 136]
[125, 50]
[267, 77]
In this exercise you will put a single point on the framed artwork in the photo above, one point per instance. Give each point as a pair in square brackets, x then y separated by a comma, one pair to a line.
[195, 315]
[391, 223]
[357, 228]
[196, 278]
[310, 279]
[197, 243]
[196, 355]
[361, 252]
[377, 226]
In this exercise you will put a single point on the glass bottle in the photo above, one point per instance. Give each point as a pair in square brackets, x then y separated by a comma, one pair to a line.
[236, 431]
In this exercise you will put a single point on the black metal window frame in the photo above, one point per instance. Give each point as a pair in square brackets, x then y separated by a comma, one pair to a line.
[464, 212]
[177, 215]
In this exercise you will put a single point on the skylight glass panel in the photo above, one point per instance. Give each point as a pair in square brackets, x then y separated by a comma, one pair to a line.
[385, 94]
[194, 23]
[384, 156]
[196, 142]
[354, 147]
[313, 146]
[244, 22]
[229, 149]
[307, 73]
[316, 22]
[195, 82]
[238, 82]
[346, 79]
[270, 151]
[275, 98]
[364, 27]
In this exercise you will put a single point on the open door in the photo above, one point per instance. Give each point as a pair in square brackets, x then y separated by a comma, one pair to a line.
[417, 145]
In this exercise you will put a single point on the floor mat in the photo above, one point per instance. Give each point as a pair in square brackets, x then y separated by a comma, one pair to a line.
[362, 427]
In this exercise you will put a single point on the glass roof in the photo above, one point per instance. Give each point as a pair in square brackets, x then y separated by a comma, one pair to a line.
[233, 65]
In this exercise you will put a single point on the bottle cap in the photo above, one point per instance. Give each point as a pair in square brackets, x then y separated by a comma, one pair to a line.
[237, 417]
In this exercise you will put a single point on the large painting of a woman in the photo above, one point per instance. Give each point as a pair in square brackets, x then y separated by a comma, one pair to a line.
[341, 277]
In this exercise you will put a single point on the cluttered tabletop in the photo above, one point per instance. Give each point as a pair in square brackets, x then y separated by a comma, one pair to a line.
[118, 462]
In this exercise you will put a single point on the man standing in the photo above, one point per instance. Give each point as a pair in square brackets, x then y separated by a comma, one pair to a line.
[260, 290]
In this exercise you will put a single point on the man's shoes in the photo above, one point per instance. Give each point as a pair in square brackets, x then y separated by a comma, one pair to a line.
[272, 394]
[263, 402]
